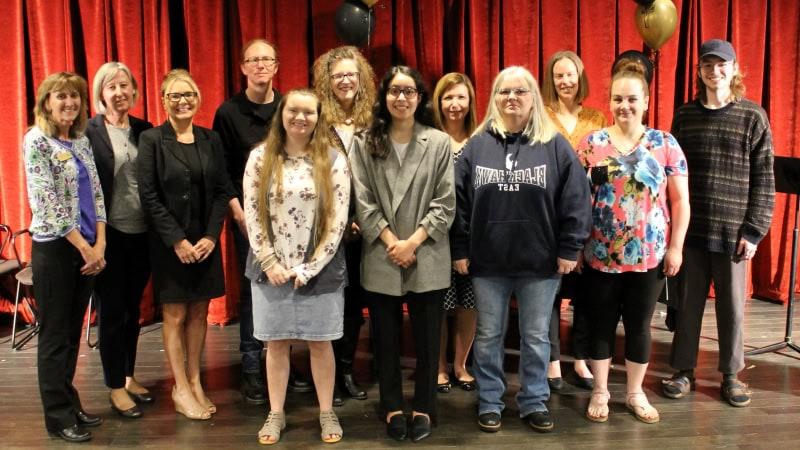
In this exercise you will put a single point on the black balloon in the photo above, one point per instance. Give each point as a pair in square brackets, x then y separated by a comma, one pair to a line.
[355, 22]
[645, 2]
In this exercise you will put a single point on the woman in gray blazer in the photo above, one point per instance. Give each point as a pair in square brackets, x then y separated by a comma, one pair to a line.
[405, 203]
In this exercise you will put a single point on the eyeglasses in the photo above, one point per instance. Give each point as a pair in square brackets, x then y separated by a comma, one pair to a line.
[176, 97]
[268, 61]
[409, 92]
[711, 66]
[352, 76]
[519, 92]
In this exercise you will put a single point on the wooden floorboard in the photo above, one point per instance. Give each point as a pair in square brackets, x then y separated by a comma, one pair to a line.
[699, 421]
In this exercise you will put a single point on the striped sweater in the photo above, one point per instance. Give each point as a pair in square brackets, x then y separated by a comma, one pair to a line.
[731, 184]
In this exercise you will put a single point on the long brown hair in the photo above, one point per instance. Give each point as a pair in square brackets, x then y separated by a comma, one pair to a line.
[737, 85]
[272, 168]
[549, 93]
[443, 85]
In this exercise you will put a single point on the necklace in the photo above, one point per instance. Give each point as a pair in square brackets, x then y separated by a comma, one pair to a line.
[348, 121]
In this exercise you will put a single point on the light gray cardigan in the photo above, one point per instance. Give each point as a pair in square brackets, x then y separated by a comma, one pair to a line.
[418, 193]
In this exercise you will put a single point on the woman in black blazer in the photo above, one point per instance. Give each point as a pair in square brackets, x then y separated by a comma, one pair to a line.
[113, 133]
[184, 190]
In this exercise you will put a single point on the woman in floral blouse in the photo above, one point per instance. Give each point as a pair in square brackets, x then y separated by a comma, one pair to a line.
[69, 242]
[296, 198]
[639, 219]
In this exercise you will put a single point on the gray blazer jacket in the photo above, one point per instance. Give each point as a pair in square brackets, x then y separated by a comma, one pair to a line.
[419, 193]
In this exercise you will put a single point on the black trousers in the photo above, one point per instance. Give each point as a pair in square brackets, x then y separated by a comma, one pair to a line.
[571, 288]
[249, 346]
[425, 312]
[344, 348]
[630, 295]
[62, 294]
[118, 293]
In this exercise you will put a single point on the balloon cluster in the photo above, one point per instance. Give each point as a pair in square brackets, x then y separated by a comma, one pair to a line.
[656, 21]
[355, 21]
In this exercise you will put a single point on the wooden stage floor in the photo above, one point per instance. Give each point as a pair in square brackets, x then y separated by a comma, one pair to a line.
[699, 421]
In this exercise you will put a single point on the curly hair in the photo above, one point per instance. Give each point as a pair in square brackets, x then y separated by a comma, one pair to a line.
[378, 138]
[365, 97]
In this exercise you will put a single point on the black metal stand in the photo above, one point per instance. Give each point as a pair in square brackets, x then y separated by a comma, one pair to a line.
[781, 179]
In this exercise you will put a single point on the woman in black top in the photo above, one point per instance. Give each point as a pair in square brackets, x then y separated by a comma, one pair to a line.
[184, 190]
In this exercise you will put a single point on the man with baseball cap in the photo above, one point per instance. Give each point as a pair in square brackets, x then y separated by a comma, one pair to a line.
[728, 146]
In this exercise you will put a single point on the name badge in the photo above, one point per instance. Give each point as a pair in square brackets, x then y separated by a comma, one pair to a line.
[63, 156]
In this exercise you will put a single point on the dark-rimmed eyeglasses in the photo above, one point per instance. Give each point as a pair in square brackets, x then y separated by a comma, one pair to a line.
[408, 92]
[176, 97]
[352, 76]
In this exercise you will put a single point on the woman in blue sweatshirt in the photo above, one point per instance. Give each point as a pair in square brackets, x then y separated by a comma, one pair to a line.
[523, 214]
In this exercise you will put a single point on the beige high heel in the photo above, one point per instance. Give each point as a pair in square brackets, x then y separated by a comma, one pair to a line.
[189, 411]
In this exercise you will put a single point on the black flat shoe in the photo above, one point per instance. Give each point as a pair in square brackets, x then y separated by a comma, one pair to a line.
[397, 427]
[443, 388]
[556, 384]
[131, 413]
[348, 385]
[420, 427]
[584, 383]
[88, 420]
[466, 385]
[147, 397]
[73, 434]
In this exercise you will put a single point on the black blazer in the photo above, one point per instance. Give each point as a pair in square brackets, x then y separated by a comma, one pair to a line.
[164, 183]
[97, 133]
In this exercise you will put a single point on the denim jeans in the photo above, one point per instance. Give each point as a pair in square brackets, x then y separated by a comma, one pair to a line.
[249, 346]
[535, 305]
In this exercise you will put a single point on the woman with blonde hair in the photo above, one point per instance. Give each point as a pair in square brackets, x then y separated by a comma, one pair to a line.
[69, 241]
[522, 217]
[564, 87]
[454, 113]
[114, 134]
[296, 197]
[184, 189]
[345, 84]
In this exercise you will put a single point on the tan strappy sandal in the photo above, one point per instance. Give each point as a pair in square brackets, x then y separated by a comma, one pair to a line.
[645, 413]
[331, 430]
[275, 423]
[598, 402]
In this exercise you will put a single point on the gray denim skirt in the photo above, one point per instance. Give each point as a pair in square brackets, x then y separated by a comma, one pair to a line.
[280, 312]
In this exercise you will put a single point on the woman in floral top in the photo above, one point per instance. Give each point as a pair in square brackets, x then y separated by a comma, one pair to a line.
[296, 198]
[636, 238]
[69, 242]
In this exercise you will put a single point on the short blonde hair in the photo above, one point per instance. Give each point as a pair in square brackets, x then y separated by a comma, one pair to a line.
[539, 128]
[253, 42]
[104, 74]
[179, 75]
[549, 93]
[60, 81]
[445, 83]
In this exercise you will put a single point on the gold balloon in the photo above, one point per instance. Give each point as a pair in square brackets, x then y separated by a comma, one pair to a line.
[656, 23]
[369, 3]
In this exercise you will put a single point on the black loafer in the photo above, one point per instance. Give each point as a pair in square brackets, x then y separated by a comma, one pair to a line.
[489, 422]
[147, 397]
[420, 427]
[540, 421]
[397, 427]
[131, 413]
[584, 383]
[556, 384]
[73, 434]
[88, 420]
[348, 385]
[254, 391]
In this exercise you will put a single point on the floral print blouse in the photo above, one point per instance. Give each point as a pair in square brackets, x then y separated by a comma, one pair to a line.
[292, 215]
[630, 215]
[52, 181]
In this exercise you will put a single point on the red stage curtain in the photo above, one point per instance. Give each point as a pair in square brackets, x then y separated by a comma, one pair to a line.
[437, 36]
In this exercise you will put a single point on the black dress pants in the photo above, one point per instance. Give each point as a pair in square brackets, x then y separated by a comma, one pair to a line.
[62, 294]
[118, 293]
[425, 312]
[345, 347]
